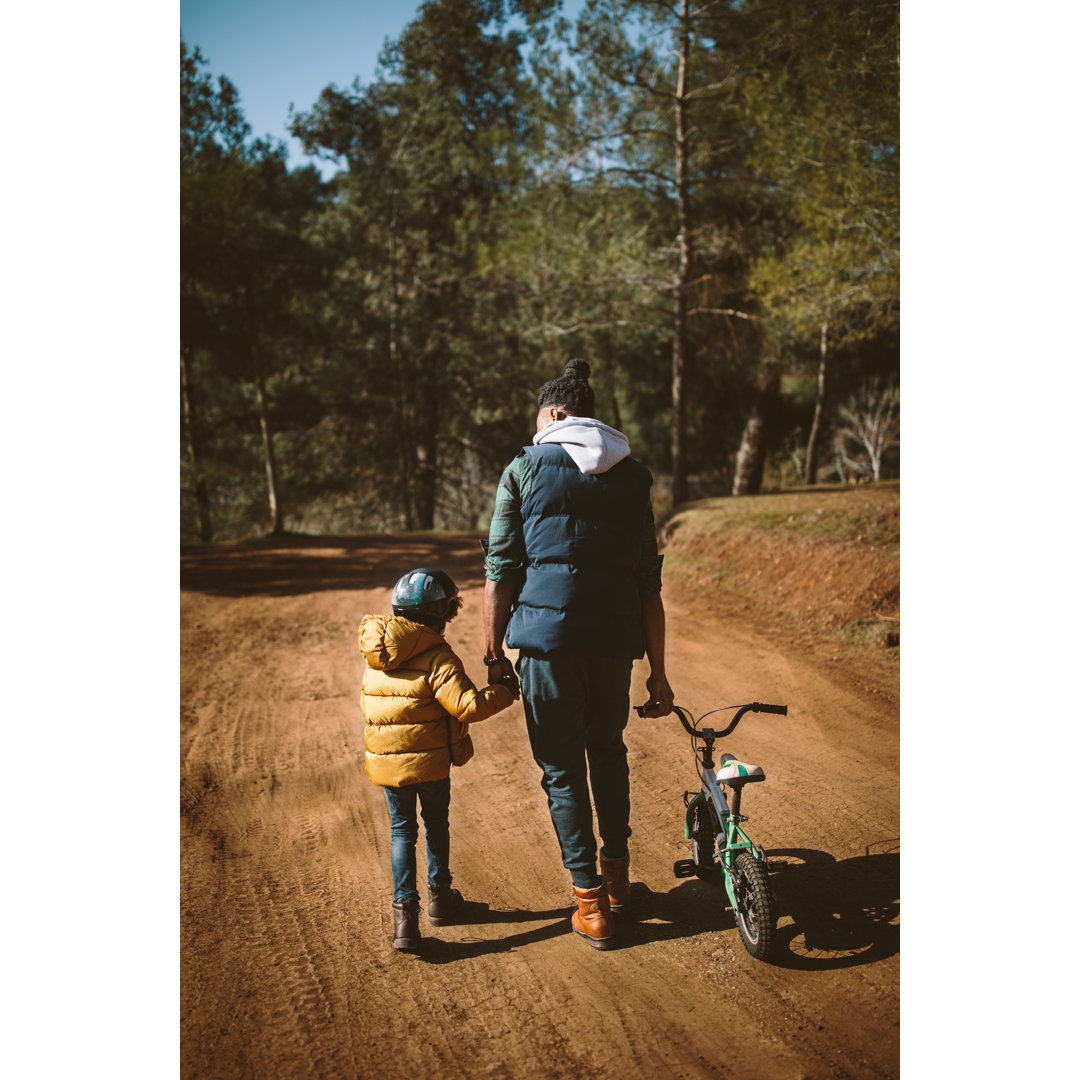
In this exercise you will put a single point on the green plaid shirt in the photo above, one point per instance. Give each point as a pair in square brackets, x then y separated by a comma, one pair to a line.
[505, 546]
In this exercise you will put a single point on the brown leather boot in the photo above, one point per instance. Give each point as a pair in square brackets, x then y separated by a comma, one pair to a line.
[616, 875]
[593, 919]
[407, 925]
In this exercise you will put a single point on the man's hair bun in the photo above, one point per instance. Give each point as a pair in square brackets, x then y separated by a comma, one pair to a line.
[571, 391]
[577, 369]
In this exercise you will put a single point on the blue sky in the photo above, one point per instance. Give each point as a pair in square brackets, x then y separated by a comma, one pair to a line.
[278, 52]
[282, 52]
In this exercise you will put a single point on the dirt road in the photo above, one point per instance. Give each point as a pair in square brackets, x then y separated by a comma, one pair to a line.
[287, 969]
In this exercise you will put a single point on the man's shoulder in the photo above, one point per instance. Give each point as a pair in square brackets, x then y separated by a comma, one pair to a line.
[519, 459]
[547, 454]
[631, 465]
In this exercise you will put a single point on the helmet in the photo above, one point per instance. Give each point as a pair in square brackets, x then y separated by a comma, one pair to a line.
[425, 593]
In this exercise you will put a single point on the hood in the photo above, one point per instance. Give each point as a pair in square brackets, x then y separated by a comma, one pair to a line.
[594, 446]
[387, 641]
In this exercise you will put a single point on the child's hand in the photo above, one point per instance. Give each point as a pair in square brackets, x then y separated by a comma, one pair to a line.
[497, 670]
[511, 683]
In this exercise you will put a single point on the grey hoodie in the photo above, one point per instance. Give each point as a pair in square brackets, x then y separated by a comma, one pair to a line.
[594, 446]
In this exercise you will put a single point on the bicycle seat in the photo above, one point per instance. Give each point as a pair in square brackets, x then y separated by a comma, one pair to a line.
[735, 773]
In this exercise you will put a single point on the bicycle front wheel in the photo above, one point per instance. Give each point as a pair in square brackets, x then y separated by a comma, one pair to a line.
[755, 908]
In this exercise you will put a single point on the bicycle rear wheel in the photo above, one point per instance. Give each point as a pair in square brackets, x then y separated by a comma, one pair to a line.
[755, 908]
[702, 837]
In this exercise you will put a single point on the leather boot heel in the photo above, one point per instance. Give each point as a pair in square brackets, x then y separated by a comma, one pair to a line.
[407, 925]
[444, 904]
[616, 875]
[593, 919]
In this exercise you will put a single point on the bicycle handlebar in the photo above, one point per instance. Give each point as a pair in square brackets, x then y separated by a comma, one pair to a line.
[685, 718]
[780, 710]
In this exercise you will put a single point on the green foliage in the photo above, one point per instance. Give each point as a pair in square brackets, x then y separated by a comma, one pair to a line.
[212, 125]
[247, 275]
[825, 108]
[436, 150]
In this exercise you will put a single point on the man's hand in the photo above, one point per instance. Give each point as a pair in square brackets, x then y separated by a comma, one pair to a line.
[661, 697]
[498, 669]
[502, 672]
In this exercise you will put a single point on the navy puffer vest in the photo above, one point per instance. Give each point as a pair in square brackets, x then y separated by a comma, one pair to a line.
[583, 542]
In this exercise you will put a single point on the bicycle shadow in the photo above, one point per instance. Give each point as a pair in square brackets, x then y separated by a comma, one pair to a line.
[842, 914]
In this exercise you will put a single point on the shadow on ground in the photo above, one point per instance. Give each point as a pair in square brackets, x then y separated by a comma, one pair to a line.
[831, 914]
[843, 913]
[437, 950]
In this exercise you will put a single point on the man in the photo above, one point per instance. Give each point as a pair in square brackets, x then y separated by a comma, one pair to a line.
[573, 583]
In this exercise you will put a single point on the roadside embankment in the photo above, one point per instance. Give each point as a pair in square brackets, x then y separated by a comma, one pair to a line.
[827, 559]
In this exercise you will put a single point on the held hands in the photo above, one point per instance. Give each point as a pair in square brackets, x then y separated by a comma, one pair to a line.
[511, 683]
[501, 672]
[661, 697]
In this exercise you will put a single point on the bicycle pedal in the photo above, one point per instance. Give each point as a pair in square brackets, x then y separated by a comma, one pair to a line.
[684, 868]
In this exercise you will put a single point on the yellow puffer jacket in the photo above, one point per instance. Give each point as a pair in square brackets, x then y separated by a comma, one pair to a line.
[413, 682]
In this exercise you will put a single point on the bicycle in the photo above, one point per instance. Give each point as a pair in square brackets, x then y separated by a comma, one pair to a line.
[716, 835]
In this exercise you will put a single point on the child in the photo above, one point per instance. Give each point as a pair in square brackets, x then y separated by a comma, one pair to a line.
[418, 703]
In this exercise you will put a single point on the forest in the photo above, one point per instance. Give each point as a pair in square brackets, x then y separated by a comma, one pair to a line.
[700, 199]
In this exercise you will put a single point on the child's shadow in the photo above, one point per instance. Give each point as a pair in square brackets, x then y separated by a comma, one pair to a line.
[436, 950]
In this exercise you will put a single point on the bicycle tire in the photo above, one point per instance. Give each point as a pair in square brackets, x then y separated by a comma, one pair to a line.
[755, 907]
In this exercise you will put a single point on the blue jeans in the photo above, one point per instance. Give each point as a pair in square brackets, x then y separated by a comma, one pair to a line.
[434, 796]
[576, 708]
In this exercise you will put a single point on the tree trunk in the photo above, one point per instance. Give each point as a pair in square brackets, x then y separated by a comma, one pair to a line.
[427, 453]
[750, 462]
[679, 345]
[819, 408]
[202, 501]
[268, 443]
[607, 353]
[404, 485]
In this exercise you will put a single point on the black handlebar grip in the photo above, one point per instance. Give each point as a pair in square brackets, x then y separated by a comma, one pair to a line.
[780, 710]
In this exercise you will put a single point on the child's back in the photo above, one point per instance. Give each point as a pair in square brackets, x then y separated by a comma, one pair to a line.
[414, 685]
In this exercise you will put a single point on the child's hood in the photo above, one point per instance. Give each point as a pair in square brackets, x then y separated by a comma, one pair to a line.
[388, 641]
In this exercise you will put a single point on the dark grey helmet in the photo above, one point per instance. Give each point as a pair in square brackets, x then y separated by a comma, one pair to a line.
[424, 592]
